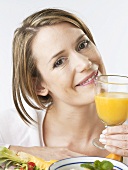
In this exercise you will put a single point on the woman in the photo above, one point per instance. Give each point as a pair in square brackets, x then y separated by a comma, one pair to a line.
[55, 63]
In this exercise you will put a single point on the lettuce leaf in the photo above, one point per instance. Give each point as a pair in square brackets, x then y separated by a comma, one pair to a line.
[9, 158]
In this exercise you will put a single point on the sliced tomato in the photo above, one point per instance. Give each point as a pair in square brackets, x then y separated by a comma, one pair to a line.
[21, 168]
[31, 165]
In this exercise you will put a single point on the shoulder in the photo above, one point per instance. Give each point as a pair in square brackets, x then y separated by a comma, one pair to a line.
[9, 115]
[15, 131]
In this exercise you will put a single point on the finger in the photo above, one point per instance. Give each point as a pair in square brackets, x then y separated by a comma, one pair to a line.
[118, 151]
[115, 143]
[116, 129]
[121, 137]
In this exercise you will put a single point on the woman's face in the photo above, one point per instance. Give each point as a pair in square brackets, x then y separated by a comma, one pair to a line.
[68, 62]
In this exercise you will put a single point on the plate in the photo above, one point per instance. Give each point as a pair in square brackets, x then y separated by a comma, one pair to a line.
[74, 163]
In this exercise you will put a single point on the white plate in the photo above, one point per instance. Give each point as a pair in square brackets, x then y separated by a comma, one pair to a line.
[74, 163]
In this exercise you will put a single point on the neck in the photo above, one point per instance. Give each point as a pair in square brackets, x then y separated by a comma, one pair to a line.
[76, 118]
[71, 127]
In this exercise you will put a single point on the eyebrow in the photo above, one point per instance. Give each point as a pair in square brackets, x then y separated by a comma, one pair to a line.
[60, 52]
[81, 36]
[54, 56]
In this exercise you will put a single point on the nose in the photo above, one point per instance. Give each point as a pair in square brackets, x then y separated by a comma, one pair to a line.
[81, 63]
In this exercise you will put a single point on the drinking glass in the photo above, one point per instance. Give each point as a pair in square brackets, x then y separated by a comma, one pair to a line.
[111, 98]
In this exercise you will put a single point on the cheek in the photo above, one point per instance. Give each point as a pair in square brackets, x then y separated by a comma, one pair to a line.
[62, 77]
[54, 83]
[101, 64]
[102, 67]
[59, 87]
[97, 59]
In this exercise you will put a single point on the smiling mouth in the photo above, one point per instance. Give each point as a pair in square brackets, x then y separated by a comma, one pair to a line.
[89, 80]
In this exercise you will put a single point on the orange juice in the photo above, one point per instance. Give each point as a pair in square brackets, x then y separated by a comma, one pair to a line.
[112, 107]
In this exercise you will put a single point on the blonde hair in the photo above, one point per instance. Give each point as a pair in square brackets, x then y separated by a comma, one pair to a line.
[24, 63]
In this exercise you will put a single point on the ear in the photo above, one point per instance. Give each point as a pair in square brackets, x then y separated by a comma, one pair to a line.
[40, 87]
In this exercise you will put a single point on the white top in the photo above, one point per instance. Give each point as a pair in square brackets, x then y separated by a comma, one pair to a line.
[13, 131]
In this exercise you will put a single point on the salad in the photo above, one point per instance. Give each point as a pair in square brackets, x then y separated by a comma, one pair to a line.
[98, 165]
[24, 161]
[21, 161]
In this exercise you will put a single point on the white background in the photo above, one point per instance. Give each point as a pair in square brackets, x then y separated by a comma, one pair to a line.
[107, 19]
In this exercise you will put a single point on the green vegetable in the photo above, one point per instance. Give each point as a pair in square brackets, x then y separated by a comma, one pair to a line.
[106, 165]
[97, 165]
[9, 158]
[89, 166]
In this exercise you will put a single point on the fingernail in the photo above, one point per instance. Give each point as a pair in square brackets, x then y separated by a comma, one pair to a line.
[104, 131]
[106, 147]
[102, 141]
[102, 136]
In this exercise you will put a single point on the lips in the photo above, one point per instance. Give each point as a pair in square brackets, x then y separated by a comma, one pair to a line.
[89, 79]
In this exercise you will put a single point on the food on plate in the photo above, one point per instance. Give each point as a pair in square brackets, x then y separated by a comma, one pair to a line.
[115, 157]
[22, 160]
[98, 165]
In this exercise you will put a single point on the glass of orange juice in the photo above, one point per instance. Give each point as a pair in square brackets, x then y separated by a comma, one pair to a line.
[111, 98]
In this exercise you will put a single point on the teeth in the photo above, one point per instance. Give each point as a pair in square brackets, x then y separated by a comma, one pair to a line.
[91, 78]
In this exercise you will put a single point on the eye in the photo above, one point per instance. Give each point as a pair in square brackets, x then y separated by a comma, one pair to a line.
[83, 45]
[60, 62]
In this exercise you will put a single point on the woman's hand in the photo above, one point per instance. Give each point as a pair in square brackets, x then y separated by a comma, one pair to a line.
[115, 139]
[47, 153]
